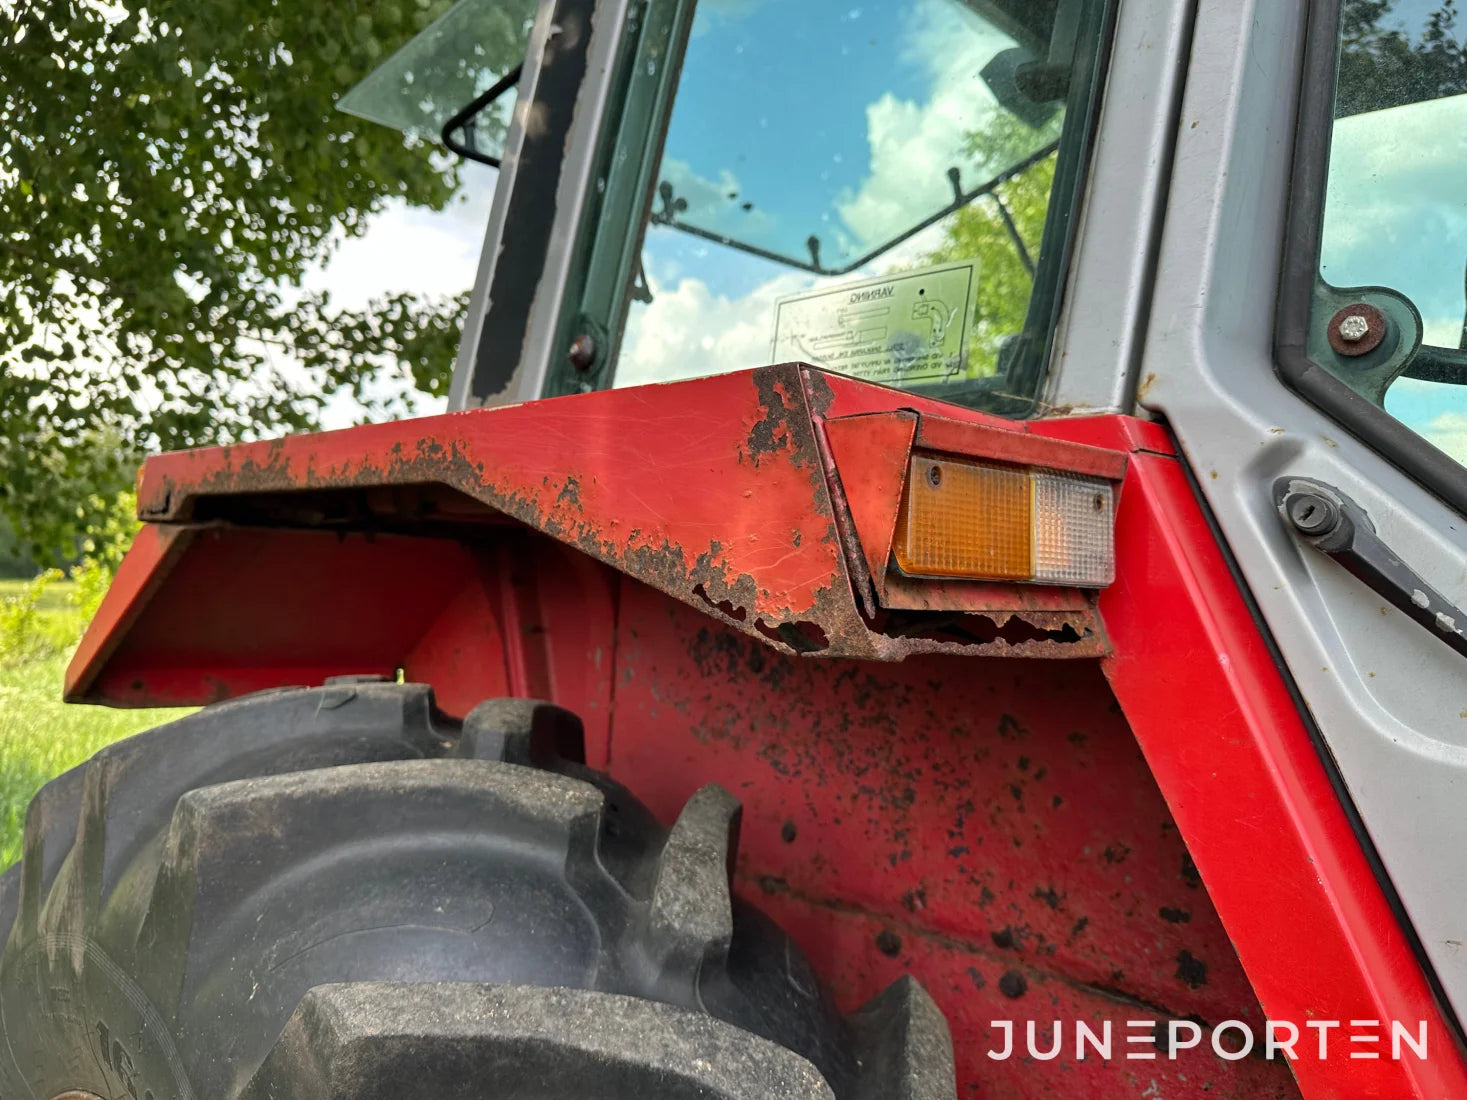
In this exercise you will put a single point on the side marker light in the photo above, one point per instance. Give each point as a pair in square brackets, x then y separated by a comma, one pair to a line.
[978, 520]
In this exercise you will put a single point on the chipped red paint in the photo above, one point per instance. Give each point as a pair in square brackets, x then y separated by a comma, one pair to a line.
[958, 437]
[722, 497]
[1228, 747]
[642, 497]
[989, 826]
[983, 597]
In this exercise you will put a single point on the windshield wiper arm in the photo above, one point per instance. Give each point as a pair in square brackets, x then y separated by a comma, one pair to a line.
[668, 217]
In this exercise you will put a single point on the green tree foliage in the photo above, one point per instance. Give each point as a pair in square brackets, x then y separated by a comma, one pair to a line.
[1382, 65]
[23, 623]
[980, 232]
[168, 174]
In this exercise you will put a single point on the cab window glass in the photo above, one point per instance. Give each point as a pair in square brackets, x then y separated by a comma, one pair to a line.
[1388, 315]
[863, 186]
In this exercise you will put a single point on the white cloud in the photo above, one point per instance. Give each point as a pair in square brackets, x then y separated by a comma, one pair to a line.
[1441, 332]
[687, 331]
[912, 144]
[1395, 214]
[717, 205]
[1387, 163]
[1449, 432]
[434, 253]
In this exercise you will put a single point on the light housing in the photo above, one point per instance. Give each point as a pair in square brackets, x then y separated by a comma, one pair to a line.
[991, 521]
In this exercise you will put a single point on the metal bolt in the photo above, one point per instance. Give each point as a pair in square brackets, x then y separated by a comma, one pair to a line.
[934, 476]
[1312, 514]
[582, 353]
[1353, 328]
[1356, 330]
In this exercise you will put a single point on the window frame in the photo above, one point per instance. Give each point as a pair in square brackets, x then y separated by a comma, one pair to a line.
[1434, 469]
[611, 237]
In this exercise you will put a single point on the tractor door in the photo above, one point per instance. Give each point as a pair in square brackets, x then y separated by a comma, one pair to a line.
[1305, 343]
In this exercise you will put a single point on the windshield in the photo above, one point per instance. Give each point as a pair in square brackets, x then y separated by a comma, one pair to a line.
[862, 186]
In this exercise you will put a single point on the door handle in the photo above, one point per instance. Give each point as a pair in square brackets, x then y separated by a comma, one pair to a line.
[1332, 523]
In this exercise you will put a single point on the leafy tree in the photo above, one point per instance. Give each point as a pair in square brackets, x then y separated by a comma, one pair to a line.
[981, 232]
[1380, 65]
[168, 174]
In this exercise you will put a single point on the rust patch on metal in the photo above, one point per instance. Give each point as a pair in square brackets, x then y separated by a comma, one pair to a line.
[818, 394]
[737, 518]
[994, 634]
[772, 433]
[903, 593]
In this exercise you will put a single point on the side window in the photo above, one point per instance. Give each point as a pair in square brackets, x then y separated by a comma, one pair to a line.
[883, 188]
[1389, 315]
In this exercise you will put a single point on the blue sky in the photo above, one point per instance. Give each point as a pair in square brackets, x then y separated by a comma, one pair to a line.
[775, 96]
[1411, 15]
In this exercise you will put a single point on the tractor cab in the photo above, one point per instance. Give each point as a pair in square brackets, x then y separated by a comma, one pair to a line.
[1050, 525]
[886, 191]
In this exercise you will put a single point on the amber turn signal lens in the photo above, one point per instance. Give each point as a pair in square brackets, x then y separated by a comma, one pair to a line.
[983, 521]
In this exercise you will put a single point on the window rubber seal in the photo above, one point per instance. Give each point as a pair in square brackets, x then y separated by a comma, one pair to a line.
[1432, 468]
[522, 248]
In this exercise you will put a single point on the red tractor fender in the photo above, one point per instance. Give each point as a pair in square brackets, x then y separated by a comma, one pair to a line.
[480, 551]
[721, 492]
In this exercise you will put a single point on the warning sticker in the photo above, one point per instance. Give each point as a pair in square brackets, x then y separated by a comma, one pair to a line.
[910, 328]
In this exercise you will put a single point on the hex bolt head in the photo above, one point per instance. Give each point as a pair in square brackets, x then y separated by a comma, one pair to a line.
[1357, 329]
[582, 353]
[1353, 328]
[1312, 514]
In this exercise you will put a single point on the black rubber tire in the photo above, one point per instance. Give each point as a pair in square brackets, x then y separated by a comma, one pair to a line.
[338, 893]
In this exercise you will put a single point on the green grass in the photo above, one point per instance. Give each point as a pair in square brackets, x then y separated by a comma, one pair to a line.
[40, 736]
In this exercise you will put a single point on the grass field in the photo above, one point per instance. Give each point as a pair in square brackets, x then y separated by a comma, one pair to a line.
[41, 737]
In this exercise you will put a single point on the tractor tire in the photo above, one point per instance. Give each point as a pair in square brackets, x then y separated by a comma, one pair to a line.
[338, 892]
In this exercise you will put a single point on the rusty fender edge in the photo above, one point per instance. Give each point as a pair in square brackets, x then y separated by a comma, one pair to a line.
[716, 491]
